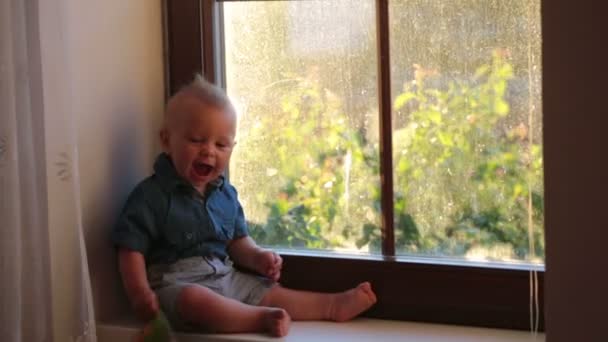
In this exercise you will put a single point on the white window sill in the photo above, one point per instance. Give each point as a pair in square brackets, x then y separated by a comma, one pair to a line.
[361, 329]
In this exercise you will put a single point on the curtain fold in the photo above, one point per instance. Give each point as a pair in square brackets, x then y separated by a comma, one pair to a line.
[45, 292]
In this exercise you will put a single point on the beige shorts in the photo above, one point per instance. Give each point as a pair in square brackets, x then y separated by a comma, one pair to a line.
[217, 275]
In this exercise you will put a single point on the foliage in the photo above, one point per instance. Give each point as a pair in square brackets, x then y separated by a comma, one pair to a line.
[463, 168]
[312, 156]
[466, 179]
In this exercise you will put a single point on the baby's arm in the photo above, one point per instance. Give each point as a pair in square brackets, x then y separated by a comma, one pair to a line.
[246, 253]
[133, 271]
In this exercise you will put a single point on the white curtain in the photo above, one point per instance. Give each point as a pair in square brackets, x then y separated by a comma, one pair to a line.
[45, 292]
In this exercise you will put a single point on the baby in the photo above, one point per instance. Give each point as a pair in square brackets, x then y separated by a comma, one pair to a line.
[183, 228]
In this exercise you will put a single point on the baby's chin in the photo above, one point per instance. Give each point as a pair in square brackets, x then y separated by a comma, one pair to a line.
[200, 187]
[197, 182]
[200, 183]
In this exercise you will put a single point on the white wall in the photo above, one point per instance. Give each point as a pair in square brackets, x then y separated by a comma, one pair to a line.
[115, 51]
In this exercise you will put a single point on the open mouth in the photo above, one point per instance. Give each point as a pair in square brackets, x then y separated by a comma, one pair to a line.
[202, 169]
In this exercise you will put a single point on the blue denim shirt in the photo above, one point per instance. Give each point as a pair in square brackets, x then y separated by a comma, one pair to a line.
[166, 219]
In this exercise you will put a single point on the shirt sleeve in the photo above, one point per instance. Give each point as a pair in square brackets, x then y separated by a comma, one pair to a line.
[240, 225]
[136, 225]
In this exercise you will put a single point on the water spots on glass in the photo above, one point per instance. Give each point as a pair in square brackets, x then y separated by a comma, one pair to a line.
[64, 167]
[466, 124]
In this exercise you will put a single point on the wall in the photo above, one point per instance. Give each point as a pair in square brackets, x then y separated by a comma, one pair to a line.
[116, 72]
[575, 123]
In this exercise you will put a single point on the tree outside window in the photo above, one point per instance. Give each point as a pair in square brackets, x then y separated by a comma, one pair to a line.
[466, 135]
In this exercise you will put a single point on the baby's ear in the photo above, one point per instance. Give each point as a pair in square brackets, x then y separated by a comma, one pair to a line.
[164, 139]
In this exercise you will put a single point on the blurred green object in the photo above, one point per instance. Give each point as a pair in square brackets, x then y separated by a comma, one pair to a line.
[158, 329]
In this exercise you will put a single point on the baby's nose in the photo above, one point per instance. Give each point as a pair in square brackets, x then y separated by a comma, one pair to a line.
[207, 149]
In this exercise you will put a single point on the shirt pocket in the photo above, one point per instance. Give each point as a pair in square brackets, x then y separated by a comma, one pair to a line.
[182, 228]
[182, 238]
[223, 215]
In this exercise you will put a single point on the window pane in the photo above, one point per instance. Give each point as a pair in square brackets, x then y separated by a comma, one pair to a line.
[467, 128]
[303, 76]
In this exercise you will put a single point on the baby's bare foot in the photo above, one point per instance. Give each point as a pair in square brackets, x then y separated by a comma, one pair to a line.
[277, 322]
[349, 304]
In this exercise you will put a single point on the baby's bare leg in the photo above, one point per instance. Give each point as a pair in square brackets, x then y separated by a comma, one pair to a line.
[304, 305]
[216, 313]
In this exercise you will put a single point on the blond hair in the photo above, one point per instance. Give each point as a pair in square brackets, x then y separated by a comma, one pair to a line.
[207, 93]
[202, 91]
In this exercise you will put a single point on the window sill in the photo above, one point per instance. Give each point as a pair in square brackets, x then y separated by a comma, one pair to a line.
[412, 259]
[361, 329]
[455, 294]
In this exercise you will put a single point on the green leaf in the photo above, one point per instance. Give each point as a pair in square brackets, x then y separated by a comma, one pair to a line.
[435, 116]
[482, 71]
[445, 139]
[158, 330]
[500, 87]
[501, 107]
[402, 99]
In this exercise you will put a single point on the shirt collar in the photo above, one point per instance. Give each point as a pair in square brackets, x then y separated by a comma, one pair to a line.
[170, 180]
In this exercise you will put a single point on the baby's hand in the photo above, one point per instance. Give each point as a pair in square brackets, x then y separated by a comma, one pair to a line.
[145, 304]
[269, 264]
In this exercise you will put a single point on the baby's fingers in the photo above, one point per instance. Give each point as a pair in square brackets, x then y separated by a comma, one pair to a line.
[147, 305]
[278, 261]
[274, 274]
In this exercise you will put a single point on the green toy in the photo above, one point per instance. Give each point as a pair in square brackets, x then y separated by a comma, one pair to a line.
[158, 329]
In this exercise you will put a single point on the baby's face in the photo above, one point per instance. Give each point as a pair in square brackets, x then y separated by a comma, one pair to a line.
[199, 140]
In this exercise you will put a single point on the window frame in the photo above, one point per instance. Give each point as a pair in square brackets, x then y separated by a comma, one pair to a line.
[413, 289]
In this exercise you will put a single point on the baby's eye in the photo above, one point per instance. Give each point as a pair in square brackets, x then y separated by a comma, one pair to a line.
[221, 145]
[196, 140]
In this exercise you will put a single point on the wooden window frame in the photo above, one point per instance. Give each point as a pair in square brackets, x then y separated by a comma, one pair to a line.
[413, 289]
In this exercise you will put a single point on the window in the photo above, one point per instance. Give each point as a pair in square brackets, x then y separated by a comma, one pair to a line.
[306, 163]
[459, 115]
